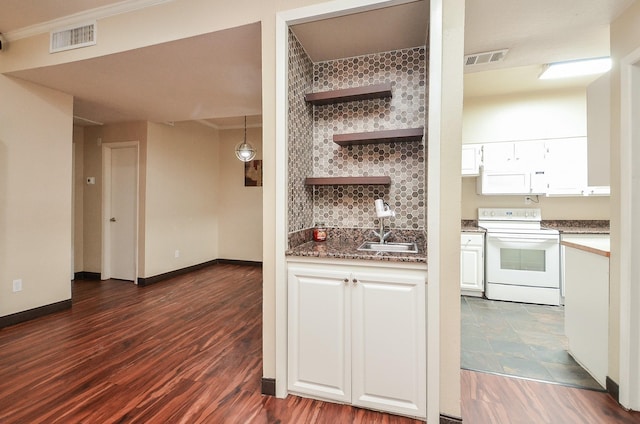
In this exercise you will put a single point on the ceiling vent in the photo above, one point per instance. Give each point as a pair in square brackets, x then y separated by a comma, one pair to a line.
[72, 37]
[485, 57]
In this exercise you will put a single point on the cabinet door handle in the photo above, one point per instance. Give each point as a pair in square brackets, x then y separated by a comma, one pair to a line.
[346, 280]
[355, 281]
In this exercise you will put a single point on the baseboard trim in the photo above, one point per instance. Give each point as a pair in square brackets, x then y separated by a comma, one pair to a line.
[239, 262]
[446, 419]
[613, 389]
[34, 313]
[142, 282]
[84, 275]
[268, 386]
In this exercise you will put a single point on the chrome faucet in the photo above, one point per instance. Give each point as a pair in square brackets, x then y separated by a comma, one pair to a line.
[382, 235]
[383, 210]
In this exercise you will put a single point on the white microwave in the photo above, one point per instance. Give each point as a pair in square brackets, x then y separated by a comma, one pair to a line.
[511, 182]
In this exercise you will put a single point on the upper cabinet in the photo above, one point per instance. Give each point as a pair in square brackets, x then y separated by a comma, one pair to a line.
[514, 155]
[567, 166]
[553, 167]
[471, 159]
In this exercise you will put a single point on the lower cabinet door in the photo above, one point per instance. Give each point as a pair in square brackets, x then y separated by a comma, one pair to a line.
[319, 333]
[389, 343]
[472, 268]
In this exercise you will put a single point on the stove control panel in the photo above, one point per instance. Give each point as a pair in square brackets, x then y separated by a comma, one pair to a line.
[508, 214]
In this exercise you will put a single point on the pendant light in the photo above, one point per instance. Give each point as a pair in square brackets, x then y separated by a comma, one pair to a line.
[245, 151]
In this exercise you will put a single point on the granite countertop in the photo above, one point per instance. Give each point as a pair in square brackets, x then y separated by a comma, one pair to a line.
[578, 226]
[344, 243]
[471, 226]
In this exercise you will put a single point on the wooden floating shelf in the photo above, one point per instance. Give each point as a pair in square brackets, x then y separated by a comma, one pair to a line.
[377, 91]
[385, 180]
[385, 136]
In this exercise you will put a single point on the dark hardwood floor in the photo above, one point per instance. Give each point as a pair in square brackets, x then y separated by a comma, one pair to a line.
[188, 350]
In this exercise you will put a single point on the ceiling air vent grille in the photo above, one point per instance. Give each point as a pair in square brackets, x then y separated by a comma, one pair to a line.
[485, 57]
[72, 37]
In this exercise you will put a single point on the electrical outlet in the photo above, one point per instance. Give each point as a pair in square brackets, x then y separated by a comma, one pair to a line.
[527, 200]
[17, 285]
[177, 254]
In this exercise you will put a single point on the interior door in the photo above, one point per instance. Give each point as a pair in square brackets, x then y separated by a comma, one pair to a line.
[122, 220]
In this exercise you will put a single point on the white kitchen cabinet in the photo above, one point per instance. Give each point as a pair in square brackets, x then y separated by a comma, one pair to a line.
[586, 311]
[566, 165]
[576, 238]
[472, 264]
[521, 155]
[320, 332]
[471, 159]
[357, 334]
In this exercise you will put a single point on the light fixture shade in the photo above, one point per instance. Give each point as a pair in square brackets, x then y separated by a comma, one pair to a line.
[575, 68]
[245, 152]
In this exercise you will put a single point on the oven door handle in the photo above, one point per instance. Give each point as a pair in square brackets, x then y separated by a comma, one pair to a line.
[517, 238]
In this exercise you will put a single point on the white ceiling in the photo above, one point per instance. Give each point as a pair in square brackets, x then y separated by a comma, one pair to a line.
[535, 32]
[212, 75]
[381, 30]
[223, 76]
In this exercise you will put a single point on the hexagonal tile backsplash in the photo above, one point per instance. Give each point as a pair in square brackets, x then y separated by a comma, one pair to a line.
[351, 206]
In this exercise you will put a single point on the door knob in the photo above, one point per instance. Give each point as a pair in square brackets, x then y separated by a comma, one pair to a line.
[112, 220]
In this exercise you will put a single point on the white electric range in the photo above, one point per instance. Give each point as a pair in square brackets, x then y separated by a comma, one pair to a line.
[522, 260]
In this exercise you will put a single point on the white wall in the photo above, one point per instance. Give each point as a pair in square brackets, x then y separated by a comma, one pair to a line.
[182, 200]
[240, 211]
[35, 195]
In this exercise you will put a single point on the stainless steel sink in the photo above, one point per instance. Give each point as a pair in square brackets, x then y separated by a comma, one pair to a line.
[374, 246]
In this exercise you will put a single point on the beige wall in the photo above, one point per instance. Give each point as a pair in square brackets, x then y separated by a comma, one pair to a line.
[35, 195]
[187, 189]
[444, 193]
[181, 196]
[240, 207]
[625, 38]
[94, 137]
[577, 207]
[166, 21]
[521, 117]
[525, 116]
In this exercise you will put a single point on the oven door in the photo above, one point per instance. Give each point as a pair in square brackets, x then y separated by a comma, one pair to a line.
[523, 259]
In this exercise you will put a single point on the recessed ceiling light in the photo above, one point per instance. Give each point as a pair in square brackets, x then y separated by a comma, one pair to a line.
[575, 68]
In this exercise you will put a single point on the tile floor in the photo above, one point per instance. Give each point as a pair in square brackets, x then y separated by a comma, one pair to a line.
[519, 339]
